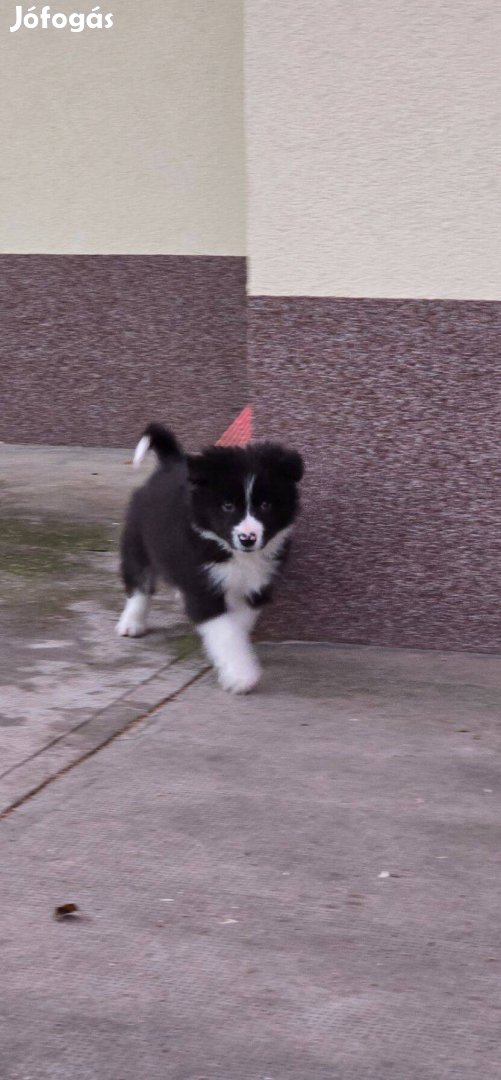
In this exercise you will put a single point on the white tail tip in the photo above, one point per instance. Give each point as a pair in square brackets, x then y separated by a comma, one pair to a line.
[141, 450]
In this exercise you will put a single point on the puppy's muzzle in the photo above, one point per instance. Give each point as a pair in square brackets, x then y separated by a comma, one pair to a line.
[247, 540]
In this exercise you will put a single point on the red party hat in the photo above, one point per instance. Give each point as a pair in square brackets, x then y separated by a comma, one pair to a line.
[239, 432]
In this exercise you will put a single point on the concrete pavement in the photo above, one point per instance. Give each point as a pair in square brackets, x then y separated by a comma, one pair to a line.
[302, 884]
[68, 682]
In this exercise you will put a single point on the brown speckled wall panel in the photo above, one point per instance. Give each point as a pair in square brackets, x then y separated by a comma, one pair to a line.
[397, 408]
[395, 404]
[94, 346]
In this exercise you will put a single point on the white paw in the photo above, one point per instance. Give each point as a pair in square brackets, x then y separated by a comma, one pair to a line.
[132, 622]
[130, 627]
[239, 679]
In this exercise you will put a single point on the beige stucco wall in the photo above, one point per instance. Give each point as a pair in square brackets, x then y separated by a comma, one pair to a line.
[374, 147]
[126, 140]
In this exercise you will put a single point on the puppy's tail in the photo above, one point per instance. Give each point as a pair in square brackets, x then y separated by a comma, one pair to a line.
[157, 438]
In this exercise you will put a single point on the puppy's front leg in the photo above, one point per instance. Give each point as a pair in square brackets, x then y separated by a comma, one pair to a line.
[227, 644]
[132, 622]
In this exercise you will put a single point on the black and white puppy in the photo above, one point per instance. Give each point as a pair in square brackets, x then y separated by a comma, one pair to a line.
[216, 526]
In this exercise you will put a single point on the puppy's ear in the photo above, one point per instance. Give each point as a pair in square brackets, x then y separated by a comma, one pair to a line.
[279, 459]
[292, 464]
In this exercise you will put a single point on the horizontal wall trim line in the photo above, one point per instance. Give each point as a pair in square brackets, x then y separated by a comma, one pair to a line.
[371, 299]
[102, 256]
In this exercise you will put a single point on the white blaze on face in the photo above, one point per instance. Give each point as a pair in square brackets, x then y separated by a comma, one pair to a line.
[249, 528]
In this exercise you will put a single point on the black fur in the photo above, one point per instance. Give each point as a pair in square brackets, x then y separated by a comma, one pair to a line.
[163, 442]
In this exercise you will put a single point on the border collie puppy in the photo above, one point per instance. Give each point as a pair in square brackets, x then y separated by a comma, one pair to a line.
[216, 526]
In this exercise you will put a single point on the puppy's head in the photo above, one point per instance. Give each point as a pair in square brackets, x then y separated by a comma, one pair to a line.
[245, 497]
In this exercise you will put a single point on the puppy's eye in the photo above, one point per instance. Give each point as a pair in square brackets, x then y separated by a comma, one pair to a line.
[228, 507]
[265, 505]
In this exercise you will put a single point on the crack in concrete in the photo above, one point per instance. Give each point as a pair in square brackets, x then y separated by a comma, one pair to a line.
[88, 720]
[134, 722]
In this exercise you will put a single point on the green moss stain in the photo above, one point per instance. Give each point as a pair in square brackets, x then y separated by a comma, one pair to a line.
[183, 646]
[48, 566]
[31, 548]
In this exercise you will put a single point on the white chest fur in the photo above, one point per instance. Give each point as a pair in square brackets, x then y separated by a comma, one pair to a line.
[247, 572]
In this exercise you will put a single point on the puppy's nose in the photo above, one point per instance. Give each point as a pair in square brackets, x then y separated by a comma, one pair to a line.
[247, 540]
